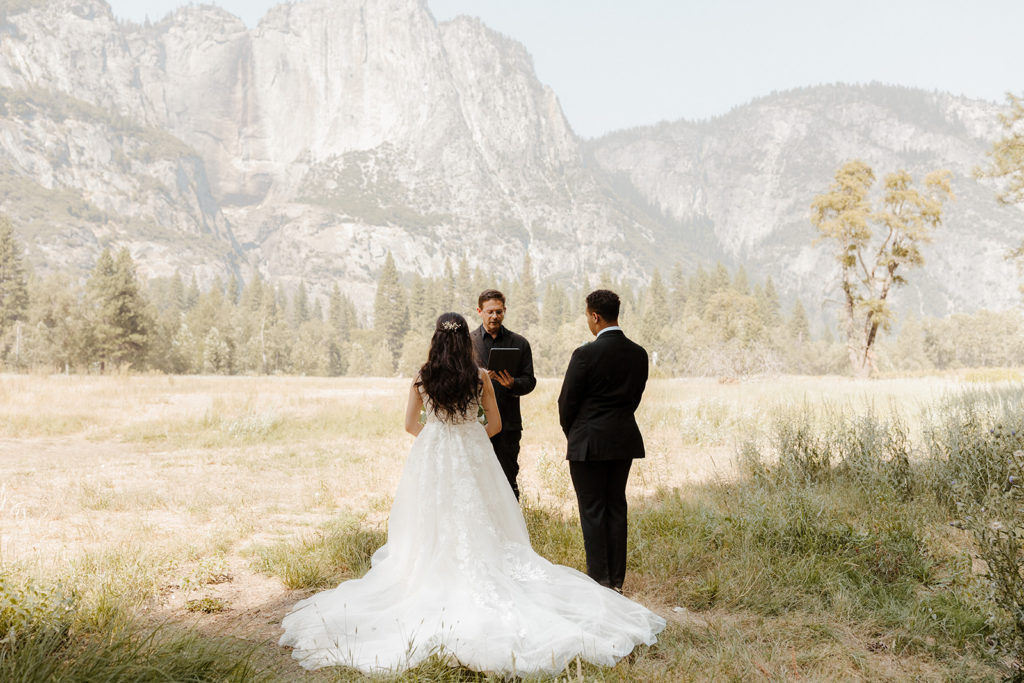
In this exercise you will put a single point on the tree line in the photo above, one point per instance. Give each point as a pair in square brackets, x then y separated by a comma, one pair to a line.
[710, 322]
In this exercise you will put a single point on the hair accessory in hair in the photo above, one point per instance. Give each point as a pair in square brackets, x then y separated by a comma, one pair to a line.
[450, 325]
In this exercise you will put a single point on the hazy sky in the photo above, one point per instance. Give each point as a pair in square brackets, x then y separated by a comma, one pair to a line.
[621, 63]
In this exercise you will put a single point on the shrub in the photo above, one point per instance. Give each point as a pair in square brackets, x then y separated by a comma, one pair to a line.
[976, 448]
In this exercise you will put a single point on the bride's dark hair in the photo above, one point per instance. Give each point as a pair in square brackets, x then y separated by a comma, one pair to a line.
[450, 376]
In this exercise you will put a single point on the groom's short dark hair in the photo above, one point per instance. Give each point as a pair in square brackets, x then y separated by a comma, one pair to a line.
[605, 303]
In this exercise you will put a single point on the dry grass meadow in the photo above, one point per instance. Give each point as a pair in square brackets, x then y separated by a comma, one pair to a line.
[170, 495]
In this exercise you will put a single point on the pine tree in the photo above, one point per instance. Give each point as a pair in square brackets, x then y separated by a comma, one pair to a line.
[678, 291]
[720, 279]
[341, 315]
[13, 284]
[249, 326]
[261, 343]
[699, 291]
[652, 313]
[740, 281]
[192, 295]
[176, 293]
[56, 319]
[770, 303]
[799, 328]
[234, 290]
[209, 311]
[252, 294]
[300, 306]
[421, 316]
[122, 323]
[390, 314]
[555, 308]
[281, 302]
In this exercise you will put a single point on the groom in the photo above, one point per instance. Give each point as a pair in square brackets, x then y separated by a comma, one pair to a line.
[601, 390]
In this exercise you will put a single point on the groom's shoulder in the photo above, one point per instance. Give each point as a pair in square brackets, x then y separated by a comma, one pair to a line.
[586, 347]
[618, 340]
[634, 346]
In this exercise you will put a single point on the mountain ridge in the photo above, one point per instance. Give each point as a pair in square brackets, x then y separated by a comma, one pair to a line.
[308, 147]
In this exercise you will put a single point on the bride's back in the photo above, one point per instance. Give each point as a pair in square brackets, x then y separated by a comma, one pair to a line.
[471, 413]
[449, 381]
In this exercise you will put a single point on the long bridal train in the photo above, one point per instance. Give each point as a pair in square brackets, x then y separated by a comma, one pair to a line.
[458, 577]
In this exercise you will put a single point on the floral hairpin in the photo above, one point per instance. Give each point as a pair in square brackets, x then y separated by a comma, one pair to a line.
[449, 325]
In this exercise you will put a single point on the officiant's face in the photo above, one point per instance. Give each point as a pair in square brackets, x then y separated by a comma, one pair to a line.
[491, 315]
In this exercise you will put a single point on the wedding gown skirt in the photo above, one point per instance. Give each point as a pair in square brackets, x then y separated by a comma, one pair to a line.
[457, 577]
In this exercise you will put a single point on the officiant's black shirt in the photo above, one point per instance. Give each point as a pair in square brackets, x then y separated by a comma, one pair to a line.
[507, 399]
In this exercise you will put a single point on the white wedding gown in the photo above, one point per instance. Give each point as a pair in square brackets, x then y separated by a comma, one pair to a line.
[457, 577]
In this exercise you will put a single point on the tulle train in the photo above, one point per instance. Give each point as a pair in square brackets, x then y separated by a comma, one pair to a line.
[458, 578]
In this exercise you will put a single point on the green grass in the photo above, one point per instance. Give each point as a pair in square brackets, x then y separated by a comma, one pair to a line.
[828, 553]
[51, 635]
[339, 550]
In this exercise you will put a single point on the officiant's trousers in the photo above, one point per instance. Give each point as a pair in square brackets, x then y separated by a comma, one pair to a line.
[506, 447]
[601, 494]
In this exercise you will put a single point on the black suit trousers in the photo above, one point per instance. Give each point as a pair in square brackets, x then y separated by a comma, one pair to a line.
[506, 447]
[601, 494]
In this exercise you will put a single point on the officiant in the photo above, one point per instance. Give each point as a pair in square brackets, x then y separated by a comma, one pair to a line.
[509, 385]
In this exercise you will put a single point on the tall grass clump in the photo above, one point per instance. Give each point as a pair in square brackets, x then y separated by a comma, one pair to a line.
[975, 443]
[809, 447]
[827, 518]
[47, 636]
[339, 550]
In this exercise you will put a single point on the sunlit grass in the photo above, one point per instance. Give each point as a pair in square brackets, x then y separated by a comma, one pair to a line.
[138, 495]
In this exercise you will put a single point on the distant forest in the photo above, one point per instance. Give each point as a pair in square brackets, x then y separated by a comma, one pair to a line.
[711, 322]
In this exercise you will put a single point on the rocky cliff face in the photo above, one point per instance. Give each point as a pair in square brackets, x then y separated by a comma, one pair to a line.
[84, 163]
[331, 133]
[753, 173]
[338, 130]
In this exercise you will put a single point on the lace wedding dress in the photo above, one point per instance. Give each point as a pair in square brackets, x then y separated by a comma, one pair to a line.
[457, 577]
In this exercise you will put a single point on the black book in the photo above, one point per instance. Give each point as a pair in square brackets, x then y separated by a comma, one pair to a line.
[503, 359]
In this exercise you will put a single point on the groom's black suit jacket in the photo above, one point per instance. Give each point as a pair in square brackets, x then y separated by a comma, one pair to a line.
[601, 391]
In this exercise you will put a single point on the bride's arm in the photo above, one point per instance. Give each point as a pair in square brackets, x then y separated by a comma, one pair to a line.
[490, 406]
[412, 410]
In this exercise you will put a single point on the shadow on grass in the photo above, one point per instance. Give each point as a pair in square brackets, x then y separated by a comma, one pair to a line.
[126, 651]
[779, 566]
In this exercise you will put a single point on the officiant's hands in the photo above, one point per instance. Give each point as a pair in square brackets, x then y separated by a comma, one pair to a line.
[502, 377]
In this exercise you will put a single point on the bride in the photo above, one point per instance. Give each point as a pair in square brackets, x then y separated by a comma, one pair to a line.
[457, 576]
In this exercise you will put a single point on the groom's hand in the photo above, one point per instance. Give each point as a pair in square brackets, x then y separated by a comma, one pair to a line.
[502, 378]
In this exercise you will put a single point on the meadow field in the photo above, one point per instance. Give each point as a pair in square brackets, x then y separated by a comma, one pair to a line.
[789, 528]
